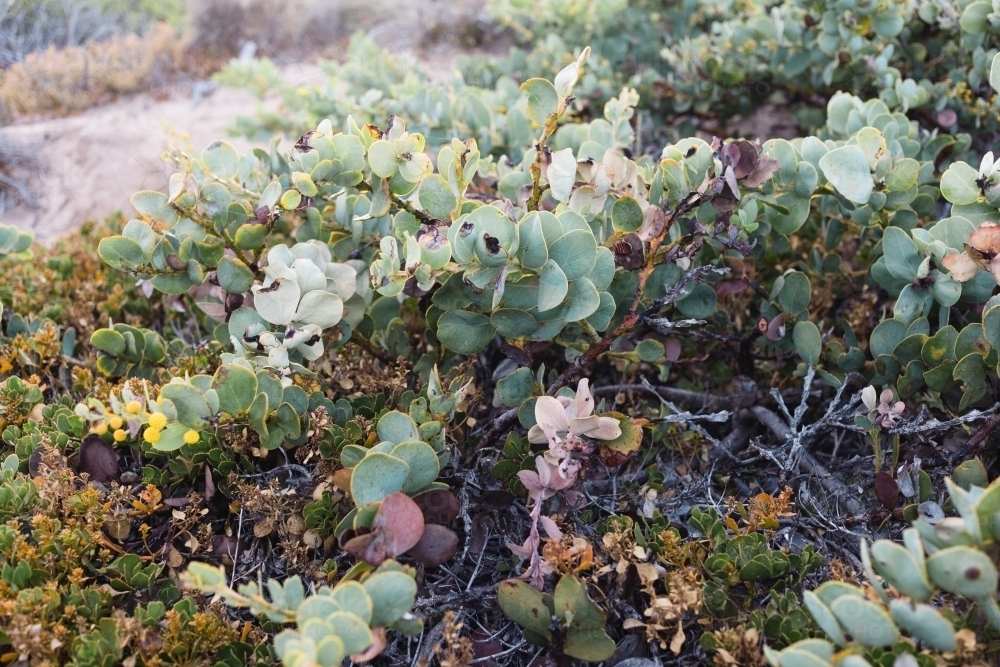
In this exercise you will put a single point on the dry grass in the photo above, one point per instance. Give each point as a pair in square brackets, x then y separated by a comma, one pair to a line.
[63, 81]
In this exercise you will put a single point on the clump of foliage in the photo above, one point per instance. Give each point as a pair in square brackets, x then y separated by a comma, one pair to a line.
[343, 364]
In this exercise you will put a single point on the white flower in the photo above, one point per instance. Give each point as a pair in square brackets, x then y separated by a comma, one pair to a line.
[987, 167]
[558, 417]
[869, 397]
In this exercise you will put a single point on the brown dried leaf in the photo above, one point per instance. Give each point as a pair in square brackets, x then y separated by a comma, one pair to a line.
[98, 459]
[263, 528]
[209, 484]
[438, 506]
[766, 166]
[437, 545]
[369, 547]
[887, 490]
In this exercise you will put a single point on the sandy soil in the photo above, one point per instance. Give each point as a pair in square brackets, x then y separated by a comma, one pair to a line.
[95, 161]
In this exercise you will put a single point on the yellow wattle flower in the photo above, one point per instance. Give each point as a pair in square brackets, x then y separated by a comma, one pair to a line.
[120, 435]
[151, 435]
[157, 420]
[100, 429]
[191, 436]
[133, 407]
[115, 422]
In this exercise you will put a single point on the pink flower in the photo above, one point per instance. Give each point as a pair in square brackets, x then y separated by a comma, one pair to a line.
[559, 417]
[884, 413]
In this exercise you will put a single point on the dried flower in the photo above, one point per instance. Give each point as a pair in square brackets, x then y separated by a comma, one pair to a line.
[884, 412]
[560, 417]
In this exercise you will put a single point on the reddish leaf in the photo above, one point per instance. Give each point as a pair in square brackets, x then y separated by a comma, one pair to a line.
[439, 506]
[776, 328]
[369, 547]
[225, 545]
[98, 459]
[887, 490]
[374, 650]
[729, 287]
[401, 523]
[947, 117]
[437, 545]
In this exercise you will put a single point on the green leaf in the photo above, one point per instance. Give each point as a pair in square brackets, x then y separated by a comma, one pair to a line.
[532, 250]
[234, 276]
[958, 184]
[552, 286]
[590, 645]
[702, 302]
[422, 461]
[513, 323]
[808, 341]
[975, 18]
[251, 235]
[574, 607]
[221, 159]
[650, 350]
[543, 101]
[393, 594]
[795, 293]
[436, 197]
[397, 427]
[171, 438]
[866, 622]
[516, 388]
[626, 215]
[383, 158]
[377, 476]
[582, 300]
[303, 182]
[121, 253]
[901, 257]
[525, 606]
[290, 200]
[236, 387]
[847, 170]
[192, 408]
[108, 340]
[575, 253]
[465, 332]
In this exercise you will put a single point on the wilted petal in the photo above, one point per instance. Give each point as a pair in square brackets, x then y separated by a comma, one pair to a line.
[583, 426]
[550, 528]
[531, 482]
[519, 550]
[607, 429]
[885, 397]
[544, 472]
[550, 415]
[986, 238]
[961, 267]
[898, 408]
[584, 402]
[536, 435]
[868, 397]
